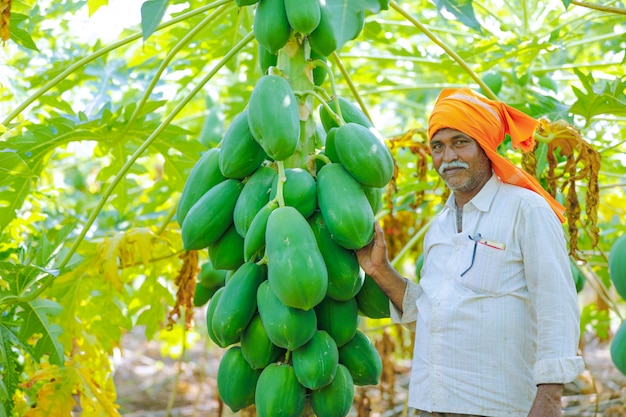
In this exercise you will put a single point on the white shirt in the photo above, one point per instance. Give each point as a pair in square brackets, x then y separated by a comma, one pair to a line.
[484, 340]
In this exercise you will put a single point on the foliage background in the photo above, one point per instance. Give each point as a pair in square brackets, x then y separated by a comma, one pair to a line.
[106, 105]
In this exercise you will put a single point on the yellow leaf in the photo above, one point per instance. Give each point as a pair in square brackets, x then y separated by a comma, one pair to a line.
[54, 398]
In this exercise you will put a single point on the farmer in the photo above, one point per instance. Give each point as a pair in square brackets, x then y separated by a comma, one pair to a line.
[495, 313]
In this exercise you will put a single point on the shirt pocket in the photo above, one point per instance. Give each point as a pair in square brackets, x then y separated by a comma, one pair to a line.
[486, 275]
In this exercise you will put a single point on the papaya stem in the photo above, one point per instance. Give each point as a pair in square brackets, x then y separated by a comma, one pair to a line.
[167, 220]
[417, 236]
[287, 356]
[322, 92]
[86, 60]
[608, 9]
[336, 117]
[351, 86]
[445, 47]
[129, 163]
[170, 56]
[282, 178]
[321, 157]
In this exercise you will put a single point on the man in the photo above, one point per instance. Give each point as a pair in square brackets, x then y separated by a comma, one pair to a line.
[495, 313]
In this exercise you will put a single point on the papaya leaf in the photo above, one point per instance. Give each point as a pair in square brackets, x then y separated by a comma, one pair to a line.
[94, 5]
[376, 6]
[19, 278]
[462, 10]
[566, 3]
[599, 97]
[35, 325]
[13, 166]
[152, 11]
[347, 17]
[8, 364]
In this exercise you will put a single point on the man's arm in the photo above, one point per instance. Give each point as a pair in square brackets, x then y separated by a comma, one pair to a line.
[373, 259]
[547, 401]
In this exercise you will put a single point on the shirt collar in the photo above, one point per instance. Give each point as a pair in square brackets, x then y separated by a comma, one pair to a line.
[482, 201]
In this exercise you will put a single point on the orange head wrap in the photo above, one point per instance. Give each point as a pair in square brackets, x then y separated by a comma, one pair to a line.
[487, 122]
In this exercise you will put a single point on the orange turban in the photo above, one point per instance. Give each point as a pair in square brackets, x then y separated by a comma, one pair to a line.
[487, 122]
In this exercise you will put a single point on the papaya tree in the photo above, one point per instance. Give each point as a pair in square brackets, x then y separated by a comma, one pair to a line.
[103, 133]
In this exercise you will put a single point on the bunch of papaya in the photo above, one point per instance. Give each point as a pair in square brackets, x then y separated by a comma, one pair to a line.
[282, 213]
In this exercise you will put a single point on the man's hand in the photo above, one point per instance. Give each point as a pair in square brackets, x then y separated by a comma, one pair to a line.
[547, 401]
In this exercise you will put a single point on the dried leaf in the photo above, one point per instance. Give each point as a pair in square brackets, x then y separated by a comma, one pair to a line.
[5, 17]
[186, 282]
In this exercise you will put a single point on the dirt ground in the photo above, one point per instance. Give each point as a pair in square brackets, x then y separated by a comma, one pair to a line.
[149, 384]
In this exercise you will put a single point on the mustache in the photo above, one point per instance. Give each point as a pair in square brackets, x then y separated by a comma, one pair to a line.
[453, 164]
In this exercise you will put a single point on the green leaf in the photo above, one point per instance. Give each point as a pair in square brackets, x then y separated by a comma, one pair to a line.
[600, 97]
[9, 364]
[347, 17]
[13, 166]
[94, 5]
[152, 11]
[462, 10]
[12, 197]
[21, 37]
[35, 323]
[566, 3]
[376, 6]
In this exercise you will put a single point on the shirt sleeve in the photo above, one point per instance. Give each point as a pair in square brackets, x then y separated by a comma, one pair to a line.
[554, 298]
[408, 316]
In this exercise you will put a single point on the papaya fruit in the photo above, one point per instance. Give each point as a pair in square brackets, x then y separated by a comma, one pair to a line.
[240, 153]
[345, 276]
[236, 380]
[278, 392]
[363, 153]
[316, 362]
[322, 39]
[299, 190]
[335, 399]
[211, 216]
[273, 116]
[349, 219]
[202, 295]
[287, 327]
[372, 301]
[340, 319]
[237, 304]
[319, 72]
[256, 346]
[255, 237]
[210, 312]
[226, 253]
[295, 267]
[617, 265]
[350, 113]
[204, 175]
[329, 146]
[303, 15]
[375, 197]
[210, 277]
[266, 59]
[362, 360]
[271, 27]
[254, 195]
[618, 348]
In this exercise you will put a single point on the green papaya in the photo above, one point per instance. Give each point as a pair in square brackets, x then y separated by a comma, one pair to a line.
[362, 360]
[210, 277]
[240, 153]
[579, 278]
[236, 380]
[266, 59]
[375, 197]
[350, 218]
[210, 312]
[286, 327]
[299, 190]
[618, 348]
[329, 146]
[202, 295]
[335, 399]
[316, 362]
[241, 3]
[255, 237]
[350, 113]
[273, 116]
[617, 265]
[295, 267]
[226, 253]
[303, 15]
[363, 153]
[237, 304]
[211, 216]
[322, 39]
[204, 175]
[254, 195]
[257, 347]
[271, 27]
[340, 319]
[319, 72]
[372, 301]
[345, 276]
[278, 392]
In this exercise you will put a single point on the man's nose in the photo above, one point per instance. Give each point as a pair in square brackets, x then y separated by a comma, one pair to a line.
[449, 154]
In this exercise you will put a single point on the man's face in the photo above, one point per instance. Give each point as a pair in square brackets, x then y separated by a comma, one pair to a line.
[460, 161]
